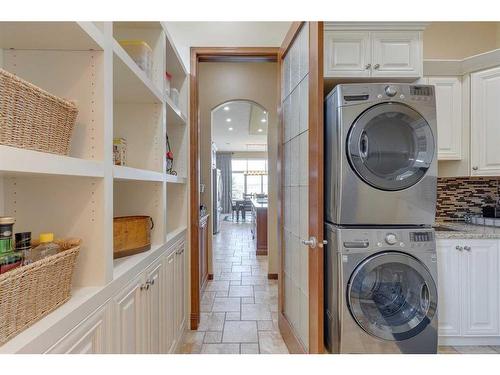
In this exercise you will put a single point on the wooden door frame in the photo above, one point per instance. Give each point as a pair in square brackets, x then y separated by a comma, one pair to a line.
[208, 54]
[316, 256]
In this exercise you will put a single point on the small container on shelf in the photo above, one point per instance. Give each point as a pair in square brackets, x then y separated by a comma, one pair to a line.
[46, 248]
[174, 94]
[6, 232]
[23, 245]
[131, 235]
[119, 151]
[10, 261]
[141, 53]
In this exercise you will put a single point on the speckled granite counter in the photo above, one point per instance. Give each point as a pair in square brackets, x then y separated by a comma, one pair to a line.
[461, 230]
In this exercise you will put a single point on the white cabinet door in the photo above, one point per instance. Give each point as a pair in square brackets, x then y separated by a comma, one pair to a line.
[449, 305]
[449, 116]
[485, 122]
[396, 54]
[155, 310]
[129, 318]
[89, 337]
[347, 54]
[480, 288]
[170, 335]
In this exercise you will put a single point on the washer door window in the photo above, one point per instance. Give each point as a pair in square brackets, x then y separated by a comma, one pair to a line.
[390, 146]
[392, 296]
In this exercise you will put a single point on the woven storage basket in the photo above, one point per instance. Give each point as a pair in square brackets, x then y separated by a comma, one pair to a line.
[32, 118]
[29, 293]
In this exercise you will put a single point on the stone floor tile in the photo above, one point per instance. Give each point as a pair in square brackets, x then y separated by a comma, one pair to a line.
[240, 291]
[233, 316]
[211, 321]
[249, 348]
[192, 342]
[213, 337]
[239, 331]
[226, 304]
[247, 300]
[220, 349]
[271, 343]
[240, 268]
[256, 311]
[265, 325]
[217, 286]
[474, 350]
[447, 350]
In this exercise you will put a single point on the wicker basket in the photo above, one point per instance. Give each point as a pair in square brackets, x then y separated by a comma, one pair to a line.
[32, 118]
[29, 293]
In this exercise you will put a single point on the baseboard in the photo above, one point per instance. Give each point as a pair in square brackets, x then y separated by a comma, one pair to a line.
[261, 252]
[272, 276]
[469, 341]
[194, 320]
[292, 342]
[210, 276]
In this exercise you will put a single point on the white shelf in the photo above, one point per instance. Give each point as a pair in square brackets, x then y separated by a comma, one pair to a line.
[73, 36]
[135, 174]
[20, 161]
[175, 66]
[175, 179]
[131, 84]
[174, 114]
[175, 233]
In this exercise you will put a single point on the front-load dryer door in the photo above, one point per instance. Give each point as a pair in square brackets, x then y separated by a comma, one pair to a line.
[392, 296]
[390, 146]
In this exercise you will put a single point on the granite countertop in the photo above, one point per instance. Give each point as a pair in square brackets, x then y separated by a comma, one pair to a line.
[258, 203]
[462, 230]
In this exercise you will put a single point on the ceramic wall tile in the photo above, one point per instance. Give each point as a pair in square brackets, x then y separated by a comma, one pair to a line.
[295, 161]
[304, 105]
[295, 113]
[295, 210]
[304, 212]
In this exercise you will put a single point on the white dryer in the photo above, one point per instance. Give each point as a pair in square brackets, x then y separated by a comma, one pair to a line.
[380, 154]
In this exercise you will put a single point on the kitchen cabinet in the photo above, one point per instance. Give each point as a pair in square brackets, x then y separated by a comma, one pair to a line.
[180, 289]
[485, 129]
[89, 337]
[259, 226]
[155, 308]
[469, 291]
[170, 324]
[448, 91]
[372, 50]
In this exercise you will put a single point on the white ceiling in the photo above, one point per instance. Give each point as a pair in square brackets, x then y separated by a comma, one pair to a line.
[238, 134]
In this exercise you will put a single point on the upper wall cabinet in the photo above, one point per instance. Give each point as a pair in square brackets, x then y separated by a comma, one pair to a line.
[377, 50]
[449, 115]
[485, 129]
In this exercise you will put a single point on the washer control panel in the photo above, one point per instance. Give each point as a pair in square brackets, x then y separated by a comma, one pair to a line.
[422, 236]
[391, 238]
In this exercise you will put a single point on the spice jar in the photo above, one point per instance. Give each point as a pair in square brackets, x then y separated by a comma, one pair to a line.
[23, 245]
[6, 232]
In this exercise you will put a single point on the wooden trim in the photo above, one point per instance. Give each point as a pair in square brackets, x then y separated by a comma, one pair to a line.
[210, 276]
[290, 36]
[218, 54]
[272, 276]
[292, 342]
[194, 192]
[316, 188]
[261, 251]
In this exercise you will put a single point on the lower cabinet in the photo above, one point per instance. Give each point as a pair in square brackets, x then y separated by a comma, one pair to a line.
[89, 337]
[149, 314]
[469, 291]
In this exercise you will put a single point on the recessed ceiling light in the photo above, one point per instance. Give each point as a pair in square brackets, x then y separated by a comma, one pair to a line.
[228, 120]
[230, 129]
[263, 120]
[265, 112]
[259, 130]
[226, 108]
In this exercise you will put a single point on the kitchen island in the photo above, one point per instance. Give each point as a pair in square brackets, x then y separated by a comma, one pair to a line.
[259, 225]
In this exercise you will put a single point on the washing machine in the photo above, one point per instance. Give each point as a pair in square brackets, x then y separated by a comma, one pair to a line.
[381, 290]
[380, 154]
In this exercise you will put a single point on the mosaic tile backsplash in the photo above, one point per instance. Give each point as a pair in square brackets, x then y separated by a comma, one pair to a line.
[461, 195]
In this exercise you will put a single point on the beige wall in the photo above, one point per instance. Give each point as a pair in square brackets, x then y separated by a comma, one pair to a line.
[218, 83]
[457, 40]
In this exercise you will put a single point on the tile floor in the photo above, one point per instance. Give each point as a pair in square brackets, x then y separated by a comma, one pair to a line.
[239, 308]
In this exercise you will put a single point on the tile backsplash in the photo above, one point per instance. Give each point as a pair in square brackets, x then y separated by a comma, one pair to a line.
[457, 196]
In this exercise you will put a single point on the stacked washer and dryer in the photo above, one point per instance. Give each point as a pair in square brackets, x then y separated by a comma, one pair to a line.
[380, 203]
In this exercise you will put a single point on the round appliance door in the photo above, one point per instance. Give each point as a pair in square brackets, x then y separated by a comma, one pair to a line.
[392, 296]
[390, 146]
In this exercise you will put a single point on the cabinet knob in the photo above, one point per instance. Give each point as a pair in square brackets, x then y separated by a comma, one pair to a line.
[475, 168]
[467, 248]
[376, 66]
[459, 248]
[368, 66]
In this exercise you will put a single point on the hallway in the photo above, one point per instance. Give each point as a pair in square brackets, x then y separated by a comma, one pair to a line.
[239, 308]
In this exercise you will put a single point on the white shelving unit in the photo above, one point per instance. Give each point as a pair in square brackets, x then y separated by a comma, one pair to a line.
[79, 194]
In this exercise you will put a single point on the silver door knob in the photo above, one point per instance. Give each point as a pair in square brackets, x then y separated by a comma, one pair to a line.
[459, 248]
[376, 66]
[467, 248]
[368, 66]
[312, 242]
[475, 168]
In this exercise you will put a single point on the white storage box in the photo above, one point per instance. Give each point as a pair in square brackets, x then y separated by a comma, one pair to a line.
[141, 53]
